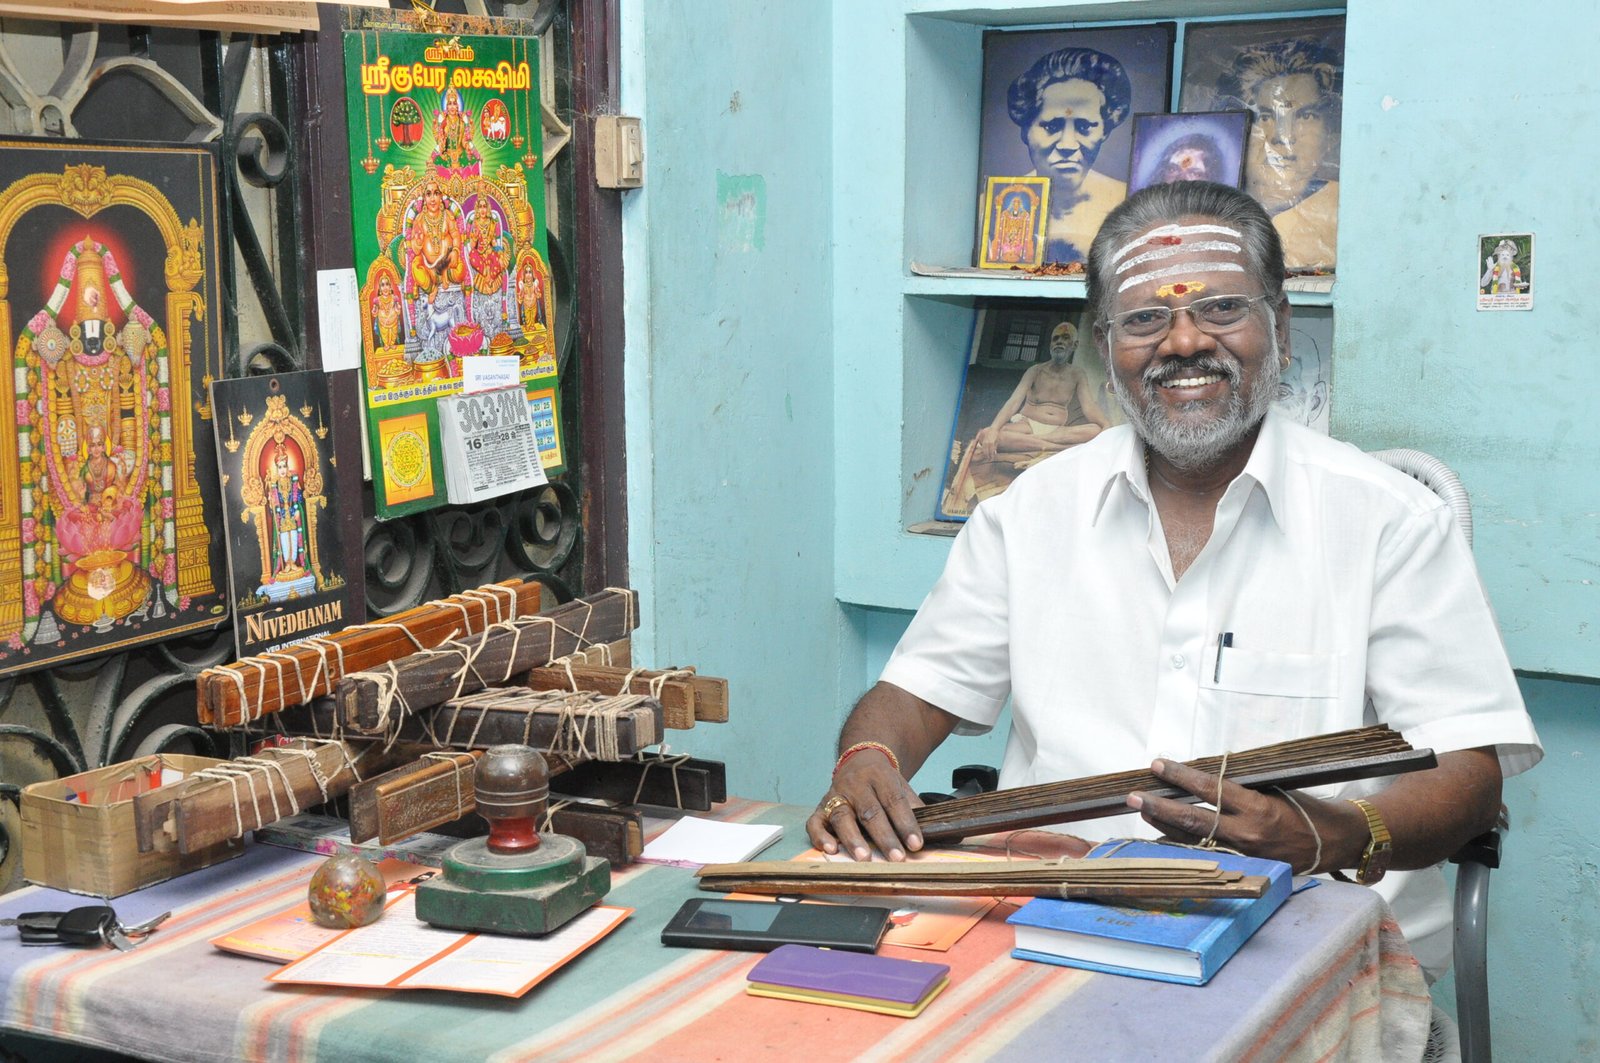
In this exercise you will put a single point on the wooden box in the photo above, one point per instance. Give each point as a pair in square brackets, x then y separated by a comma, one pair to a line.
[78, 832]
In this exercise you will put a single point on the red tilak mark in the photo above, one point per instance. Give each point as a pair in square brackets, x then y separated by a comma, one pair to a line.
[1169, 240]
[1179, 289]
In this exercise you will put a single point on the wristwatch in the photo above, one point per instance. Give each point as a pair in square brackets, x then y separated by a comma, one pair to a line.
[1375, 860]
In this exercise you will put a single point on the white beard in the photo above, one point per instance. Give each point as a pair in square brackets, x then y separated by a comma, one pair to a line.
[1188, 445]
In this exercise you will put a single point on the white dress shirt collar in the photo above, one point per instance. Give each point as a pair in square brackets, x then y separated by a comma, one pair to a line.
[1265, 469]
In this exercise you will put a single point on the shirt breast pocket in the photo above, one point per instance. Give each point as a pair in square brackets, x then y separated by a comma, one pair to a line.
[1259, 697]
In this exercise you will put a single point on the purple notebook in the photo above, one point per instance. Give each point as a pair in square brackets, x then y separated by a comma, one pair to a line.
[849, 973]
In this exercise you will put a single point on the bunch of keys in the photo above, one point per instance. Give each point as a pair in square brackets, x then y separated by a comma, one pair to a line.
[93, 924]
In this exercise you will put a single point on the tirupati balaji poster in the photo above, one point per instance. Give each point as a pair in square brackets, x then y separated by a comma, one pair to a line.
[281, 494]
[111, 324]
[447, 200]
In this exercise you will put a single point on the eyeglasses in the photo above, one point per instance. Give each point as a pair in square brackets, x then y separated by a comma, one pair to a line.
[1212, 315]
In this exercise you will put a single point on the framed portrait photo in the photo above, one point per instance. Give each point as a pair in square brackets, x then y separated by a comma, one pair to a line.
[1208, 146]
[1014, 212]
[1056, 105]
[1033, 388]
[1289, 74]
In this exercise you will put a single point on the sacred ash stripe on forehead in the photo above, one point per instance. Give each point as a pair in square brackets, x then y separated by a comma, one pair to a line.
[1182, 267]
[1171, 235]
[1179, 249]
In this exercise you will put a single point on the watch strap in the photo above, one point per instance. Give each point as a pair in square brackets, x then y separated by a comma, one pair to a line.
[1380, 844]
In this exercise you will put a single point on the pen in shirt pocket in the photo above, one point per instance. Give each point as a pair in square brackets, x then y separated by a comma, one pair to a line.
[1224, 640]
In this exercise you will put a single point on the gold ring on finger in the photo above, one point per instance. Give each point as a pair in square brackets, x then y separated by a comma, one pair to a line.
[833, 804]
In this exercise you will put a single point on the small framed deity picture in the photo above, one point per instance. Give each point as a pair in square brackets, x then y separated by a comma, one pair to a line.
[1289, 74]
[1056, 105]
[1505, 271]
[1208, 146]
[1014, 212]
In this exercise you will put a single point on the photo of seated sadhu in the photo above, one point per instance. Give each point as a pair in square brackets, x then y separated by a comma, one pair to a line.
[1026, 396]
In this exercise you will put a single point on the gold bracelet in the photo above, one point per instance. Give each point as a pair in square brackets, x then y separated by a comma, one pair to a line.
[858, 747]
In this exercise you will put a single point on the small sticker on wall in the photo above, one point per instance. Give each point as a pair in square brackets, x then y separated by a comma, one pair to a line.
[1505, 271]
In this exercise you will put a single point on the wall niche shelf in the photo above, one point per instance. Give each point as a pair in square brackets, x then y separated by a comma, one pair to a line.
[905, 213]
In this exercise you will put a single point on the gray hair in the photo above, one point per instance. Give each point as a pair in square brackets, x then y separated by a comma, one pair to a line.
[1162, 204]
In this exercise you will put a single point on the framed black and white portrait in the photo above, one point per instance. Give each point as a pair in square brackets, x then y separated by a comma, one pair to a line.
[1056, 104]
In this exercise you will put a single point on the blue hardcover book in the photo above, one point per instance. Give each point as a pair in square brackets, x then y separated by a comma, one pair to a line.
[1184, 941]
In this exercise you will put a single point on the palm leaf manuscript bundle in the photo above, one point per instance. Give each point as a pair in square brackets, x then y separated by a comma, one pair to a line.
[376, 699]
[237, 693]
[428, 689]
[1362, 753]
[1128, 879]
[243, 794]
[578, 725]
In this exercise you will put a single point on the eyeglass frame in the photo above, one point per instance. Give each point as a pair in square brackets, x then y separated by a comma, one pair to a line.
[1113, 320]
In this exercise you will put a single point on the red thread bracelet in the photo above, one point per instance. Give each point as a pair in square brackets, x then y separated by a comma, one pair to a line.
[859, 746]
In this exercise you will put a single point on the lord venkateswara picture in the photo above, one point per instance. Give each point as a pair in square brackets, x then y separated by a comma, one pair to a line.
[111, 320]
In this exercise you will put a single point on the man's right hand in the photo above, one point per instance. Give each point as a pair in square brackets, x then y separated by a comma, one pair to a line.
[869, 804]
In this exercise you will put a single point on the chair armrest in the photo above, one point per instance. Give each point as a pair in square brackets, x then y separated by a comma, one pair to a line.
[1484, 849]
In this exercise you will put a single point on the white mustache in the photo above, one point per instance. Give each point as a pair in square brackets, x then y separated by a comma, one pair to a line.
[1157, 375]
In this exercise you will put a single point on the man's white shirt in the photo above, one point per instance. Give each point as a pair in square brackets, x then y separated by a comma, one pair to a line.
[1347, 590]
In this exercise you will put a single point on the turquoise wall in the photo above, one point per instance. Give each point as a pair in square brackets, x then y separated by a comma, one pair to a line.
[1442, 143]
[783, 371]
[729, 373]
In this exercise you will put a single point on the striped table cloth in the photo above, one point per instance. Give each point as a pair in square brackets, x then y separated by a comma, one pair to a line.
[1328, 977]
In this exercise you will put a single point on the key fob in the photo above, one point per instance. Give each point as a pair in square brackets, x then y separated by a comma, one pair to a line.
[86, 926]
[38, 928]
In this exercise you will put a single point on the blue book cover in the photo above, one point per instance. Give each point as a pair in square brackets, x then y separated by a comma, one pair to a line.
[1182, 941]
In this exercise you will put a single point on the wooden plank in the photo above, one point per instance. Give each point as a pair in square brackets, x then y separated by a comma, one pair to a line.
[375, 700]
[669, 782]
[232, 694]
[684, 696]
[617, 834]
[710, 698]
[413, 798]
[572, 729]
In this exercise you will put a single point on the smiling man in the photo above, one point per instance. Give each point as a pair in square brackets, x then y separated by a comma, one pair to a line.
[1097, 592]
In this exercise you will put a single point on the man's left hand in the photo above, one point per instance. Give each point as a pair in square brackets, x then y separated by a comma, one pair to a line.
[1256, 824]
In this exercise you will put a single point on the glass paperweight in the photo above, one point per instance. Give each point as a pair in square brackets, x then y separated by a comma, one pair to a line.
[346, 891]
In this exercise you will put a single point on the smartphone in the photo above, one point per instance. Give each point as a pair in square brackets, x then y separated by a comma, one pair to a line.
[761, 926]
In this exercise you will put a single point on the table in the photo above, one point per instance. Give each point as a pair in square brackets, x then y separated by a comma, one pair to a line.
[1328, 976]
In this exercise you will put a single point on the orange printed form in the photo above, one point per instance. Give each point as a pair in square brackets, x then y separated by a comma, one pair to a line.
[400, 951]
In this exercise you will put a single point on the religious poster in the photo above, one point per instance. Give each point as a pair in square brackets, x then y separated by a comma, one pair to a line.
[111, 320]
[1056, 105]
[1188, 147]
[447, 201]
[1506, 280]
[281, 495]
[1289, 74]
[1014, 212]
